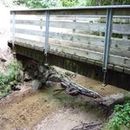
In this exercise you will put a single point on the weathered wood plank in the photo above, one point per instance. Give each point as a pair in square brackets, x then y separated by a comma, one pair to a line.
[120, 61]
[121, 12]
[119, 46]
[29, 43]
[63, 11]
[93, 47]
[77, 51]
[36, 39]
[32, 22]
[89, 27]
[30, 32]
[113, 59]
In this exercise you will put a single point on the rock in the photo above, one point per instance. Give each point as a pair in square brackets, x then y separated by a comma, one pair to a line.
[27, 77]
[3, 59]
[17, 88]
[36, 84]
[41, 69]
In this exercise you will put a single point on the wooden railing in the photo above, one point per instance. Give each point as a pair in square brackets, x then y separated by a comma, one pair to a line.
[99, 35]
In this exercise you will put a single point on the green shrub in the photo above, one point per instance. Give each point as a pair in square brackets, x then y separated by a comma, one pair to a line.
[121, 117]
[10, 78]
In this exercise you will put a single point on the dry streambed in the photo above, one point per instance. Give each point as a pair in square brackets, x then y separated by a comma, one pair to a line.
[42, 110]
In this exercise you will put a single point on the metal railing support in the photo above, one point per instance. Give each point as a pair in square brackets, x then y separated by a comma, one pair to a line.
[108, 33]
[47, 32]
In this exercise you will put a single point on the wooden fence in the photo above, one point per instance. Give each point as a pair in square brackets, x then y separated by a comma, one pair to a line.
[100, 35]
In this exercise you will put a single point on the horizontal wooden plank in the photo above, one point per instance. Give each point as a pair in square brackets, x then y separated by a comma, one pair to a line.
[119, 45]
[36, 39]
[113, 59]
[120, 61]
[93, 47]
[123, 11]
[29, 32]
[76, 51]
[121, 29]
[89, 27]
[32, 22]
[28, 43]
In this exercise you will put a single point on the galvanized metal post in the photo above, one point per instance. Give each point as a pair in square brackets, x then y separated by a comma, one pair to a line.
[13, 28]
[107, 42]
[47, 32]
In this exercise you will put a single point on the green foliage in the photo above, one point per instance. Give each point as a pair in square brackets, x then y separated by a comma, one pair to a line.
[103, 2]
[38, 3]
[121, 117]
[69, 3]
[11, 77]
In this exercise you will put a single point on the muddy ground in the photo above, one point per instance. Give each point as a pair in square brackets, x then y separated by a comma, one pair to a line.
[43, 110]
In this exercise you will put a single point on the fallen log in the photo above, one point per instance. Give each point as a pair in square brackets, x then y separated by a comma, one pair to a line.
[69, 86]
[76, 89]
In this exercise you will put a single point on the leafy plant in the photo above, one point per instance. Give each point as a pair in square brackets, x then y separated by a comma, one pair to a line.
[120, 118]
[68, 3]
[10, 78]
[38, 3]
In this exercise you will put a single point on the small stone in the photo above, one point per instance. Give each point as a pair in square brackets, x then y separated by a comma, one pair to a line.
[27, 77]
[3, 59]
[36, 84]
[41, 69]
[18, 87]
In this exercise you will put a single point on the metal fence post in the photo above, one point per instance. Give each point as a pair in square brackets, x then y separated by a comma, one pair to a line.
[47, 32]
[108, 34]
